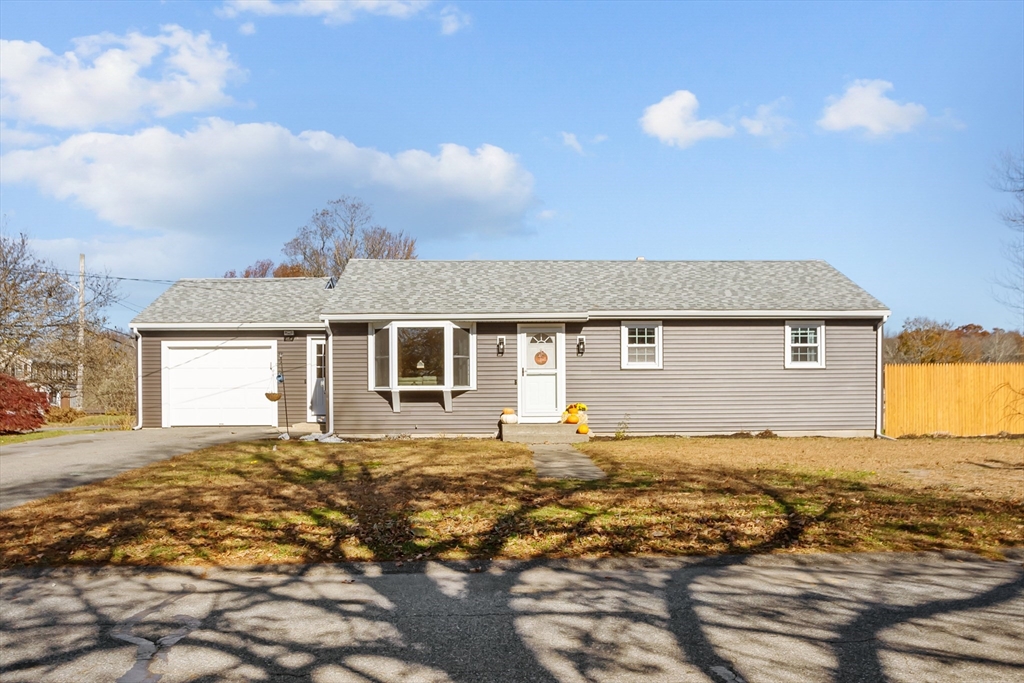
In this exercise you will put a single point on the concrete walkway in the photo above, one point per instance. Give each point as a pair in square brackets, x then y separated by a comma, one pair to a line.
[558, 461]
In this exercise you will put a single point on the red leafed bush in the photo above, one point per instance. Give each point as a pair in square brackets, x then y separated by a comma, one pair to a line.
[21, 407]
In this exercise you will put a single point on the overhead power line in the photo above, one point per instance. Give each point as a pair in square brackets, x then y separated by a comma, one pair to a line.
[101, 276]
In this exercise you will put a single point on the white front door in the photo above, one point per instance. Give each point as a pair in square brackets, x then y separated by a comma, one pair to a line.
[541, 373]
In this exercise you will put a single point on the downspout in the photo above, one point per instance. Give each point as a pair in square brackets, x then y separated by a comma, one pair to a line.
[879, 380]
[138, 379]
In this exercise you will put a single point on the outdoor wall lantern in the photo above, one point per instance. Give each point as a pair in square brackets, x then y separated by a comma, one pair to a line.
[581, 345]
[501, 346]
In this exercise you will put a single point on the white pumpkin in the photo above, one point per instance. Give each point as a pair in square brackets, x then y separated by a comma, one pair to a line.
[510, 418]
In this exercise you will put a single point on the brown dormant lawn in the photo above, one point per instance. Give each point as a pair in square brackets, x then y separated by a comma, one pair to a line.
[274, 502]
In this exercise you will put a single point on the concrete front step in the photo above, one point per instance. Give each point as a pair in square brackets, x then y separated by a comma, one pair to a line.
[542, 433]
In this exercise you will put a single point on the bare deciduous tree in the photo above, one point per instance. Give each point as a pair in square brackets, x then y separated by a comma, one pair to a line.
[1009, 178]
[343, 231]
[289, 270]
[923, 340]
[323, 246]
[378, 242]
[261, 268]
[39, 312]
[334, 235]
[110, 372]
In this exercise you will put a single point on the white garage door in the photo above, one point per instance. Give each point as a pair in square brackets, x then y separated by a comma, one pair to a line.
[218, 383]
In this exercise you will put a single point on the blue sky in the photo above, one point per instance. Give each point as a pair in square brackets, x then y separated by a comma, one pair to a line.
[182, 139]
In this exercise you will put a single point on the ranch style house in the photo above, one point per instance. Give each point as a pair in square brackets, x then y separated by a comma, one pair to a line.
[420, 348]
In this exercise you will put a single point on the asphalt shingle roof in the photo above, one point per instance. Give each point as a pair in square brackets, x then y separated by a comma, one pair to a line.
[466, 288]
[235, 301]
[463, 289]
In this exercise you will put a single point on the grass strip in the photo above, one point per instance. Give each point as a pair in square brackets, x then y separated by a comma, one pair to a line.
[278, 502]
[9, 439]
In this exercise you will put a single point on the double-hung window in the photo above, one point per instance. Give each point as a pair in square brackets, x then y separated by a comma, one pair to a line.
[422, 356]
[805, 344]
[641, 345]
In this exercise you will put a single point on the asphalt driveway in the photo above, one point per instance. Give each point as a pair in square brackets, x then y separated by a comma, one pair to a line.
[39, 468]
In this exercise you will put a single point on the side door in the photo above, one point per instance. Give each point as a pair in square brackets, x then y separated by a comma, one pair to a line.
[316, 379]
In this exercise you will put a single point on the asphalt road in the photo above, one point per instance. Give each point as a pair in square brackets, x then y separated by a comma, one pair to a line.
[39, 468]
[786, 619]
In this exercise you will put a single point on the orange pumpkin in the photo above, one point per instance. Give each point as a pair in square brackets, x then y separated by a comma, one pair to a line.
[583, 429]
[573, 410]
[572, 419]
[508, 411]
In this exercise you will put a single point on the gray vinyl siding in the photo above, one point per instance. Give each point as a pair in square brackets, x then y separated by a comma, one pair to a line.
[717, 377]
[293, 364]
[360, 411]
[150, 381]
[725, 377]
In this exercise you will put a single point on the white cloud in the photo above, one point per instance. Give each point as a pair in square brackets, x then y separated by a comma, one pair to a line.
[599, 138]
[16, 137]
[546, 214]
[864, 105]
[767, 122]
[247, 29]
[674, 121]
[228, 177]
[157, 255]
[102, 81]
[570, 141]
[331, 11]
[453, 20]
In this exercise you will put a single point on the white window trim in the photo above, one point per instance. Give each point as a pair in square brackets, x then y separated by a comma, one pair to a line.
[449, 366]
[624, 342]
[790, 324]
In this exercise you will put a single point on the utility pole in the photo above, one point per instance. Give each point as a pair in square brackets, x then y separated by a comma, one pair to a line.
[79, 395]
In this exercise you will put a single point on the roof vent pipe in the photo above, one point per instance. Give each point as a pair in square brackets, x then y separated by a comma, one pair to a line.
[640, 258]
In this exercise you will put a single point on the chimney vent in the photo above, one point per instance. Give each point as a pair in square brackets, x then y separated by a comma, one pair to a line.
[640, 258]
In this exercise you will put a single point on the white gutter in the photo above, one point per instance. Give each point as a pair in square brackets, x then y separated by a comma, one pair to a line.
[138, 379]
[607, 315]
[751, 314]
[227, 326]
[475, 317]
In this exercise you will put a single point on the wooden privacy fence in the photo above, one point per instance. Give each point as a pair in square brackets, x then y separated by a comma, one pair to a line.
[962, 399]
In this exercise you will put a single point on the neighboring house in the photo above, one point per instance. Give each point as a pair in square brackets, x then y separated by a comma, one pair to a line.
[440, 347]
[49, 377]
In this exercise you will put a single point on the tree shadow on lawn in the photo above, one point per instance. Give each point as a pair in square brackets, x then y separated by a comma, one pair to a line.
[319, 503]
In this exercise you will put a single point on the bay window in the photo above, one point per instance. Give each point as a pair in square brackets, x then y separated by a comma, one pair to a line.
[422, 356]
